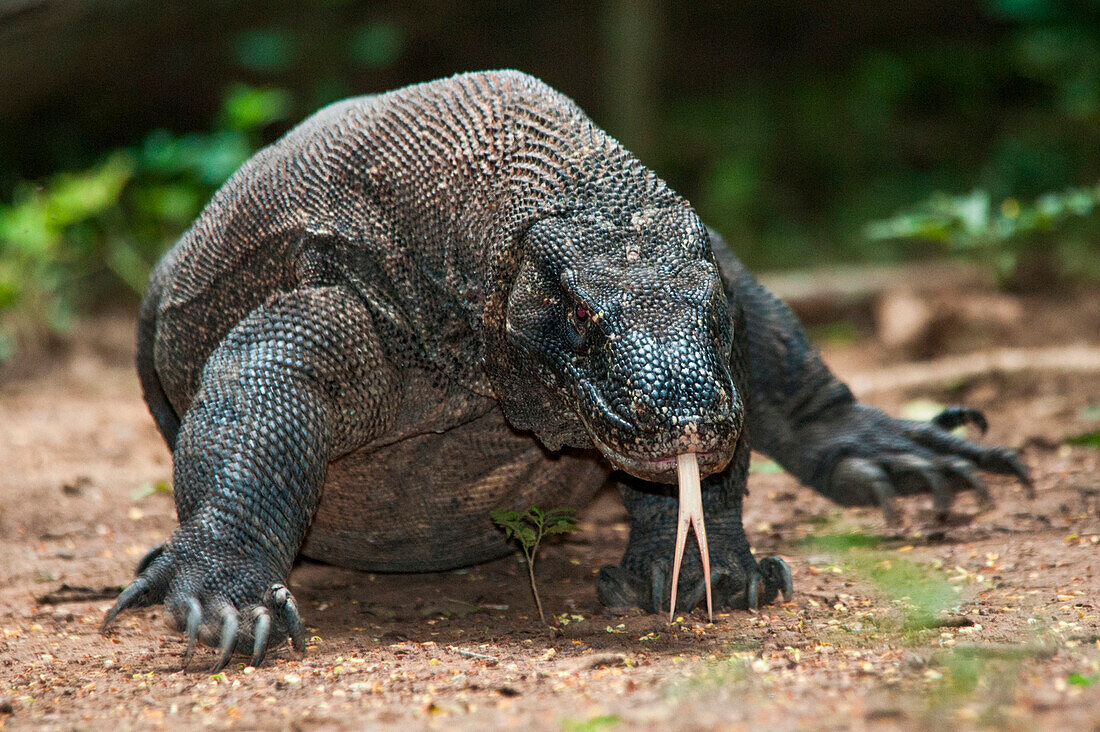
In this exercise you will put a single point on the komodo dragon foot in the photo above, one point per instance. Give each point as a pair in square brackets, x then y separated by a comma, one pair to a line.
[732, 586]
[864, 457]
[223, 601]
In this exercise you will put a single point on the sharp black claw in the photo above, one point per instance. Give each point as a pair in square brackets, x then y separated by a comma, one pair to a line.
[752, 591]
[194, 618]
[230, 622]
[778, 574]
[964, 472]
[261, 631]
[1002, 460]
[956, 416]
[150, 556]
[125, 599]
[658, 580]
[887, 501]
[927, 473]
[287, 608]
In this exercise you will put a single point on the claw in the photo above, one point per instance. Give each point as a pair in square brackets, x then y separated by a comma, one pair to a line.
[125, 600]
[942, 495]
[261, 632]
[956, 416]
[287, 608]
[962, 471]
[776, 572]
[194, 618]
[752, 591]
[230, 621]
[1007, 461]
[887, 501]
[150, 556]
[993, 459]
[690, 514]
[860, 473]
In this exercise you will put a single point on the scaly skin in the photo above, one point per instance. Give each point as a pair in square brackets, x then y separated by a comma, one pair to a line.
[469, 278]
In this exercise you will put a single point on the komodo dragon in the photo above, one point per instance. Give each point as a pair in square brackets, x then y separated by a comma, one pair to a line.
[424, 305]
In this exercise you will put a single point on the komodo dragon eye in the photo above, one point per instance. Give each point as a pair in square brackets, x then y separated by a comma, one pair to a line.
[583, 334]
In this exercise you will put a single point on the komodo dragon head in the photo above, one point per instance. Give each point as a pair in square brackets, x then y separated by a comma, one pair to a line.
[629, 327]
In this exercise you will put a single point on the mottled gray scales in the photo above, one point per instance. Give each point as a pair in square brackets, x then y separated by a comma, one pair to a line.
[424, 305]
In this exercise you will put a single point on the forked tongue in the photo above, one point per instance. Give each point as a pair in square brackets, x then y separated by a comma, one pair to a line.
[690, 514]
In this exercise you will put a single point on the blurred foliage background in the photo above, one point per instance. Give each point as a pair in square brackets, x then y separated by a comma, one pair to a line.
[808, 133]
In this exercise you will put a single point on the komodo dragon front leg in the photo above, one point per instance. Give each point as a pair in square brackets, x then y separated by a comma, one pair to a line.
[298, 381]
[800, 414]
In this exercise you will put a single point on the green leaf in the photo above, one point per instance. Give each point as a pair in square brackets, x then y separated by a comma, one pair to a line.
[147, 489]
[527, 536]
[562, 527]
[1077, 679]
[1085, 439]
[176, 203]
[764, 467]
[249, 108]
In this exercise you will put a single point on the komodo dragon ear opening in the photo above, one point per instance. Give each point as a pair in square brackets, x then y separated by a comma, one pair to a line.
[690, 513]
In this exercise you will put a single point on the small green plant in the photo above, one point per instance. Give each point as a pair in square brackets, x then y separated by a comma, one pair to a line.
[1085, 680]
[527, 528]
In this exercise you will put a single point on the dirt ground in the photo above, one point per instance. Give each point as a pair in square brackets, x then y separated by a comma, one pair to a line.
[990, 620]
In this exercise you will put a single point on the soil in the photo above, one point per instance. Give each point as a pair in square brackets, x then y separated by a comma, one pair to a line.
[989, 619]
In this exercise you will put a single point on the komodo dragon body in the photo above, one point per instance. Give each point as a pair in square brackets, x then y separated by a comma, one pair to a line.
[421, 306]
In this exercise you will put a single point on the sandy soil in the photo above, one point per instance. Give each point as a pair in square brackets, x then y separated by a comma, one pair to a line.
[991, 620]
